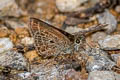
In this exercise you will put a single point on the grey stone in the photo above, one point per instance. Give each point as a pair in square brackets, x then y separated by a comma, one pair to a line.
[14, 60]
[98, 36]
[15, 23]
[110, 42]
[45, 72]
[101, 75]
[108, 18]
[100, 61]
[5, 45]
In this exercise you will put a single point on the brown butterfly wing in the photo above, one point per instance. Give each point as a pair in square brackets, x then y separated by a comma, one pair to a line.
[48, 39]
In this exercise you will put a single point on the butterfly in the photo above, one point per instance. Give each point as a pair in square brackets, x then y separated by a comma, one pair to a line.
[50, 41]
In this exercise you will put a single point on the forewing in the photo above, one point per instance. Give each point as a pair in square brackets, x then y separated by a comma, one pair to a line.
[48, 39]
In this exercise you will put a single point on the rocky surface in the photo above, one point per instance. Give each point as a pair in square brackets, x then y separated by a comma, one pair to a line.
[97, 59]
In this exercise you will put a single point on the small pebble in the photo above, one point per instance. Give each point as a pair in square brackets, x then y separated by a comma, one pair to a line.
[101, 75]
[31, 55]
[98, 36]
[98, 60]
[13, 36]
[93, 2]
[72, 29]
[24, 75]
[68, 5]
[117, 9]
[73, 75]
[22, 32]
[118, 61]
[117, 76]
[3, 32]
[100, 63]
[59, 19]
[107, 18]
[15, 24]
[27, 41]
[48, 72]
[115, 57]
[110, 42]
[9, 8]
[14, 60]
[5, 44]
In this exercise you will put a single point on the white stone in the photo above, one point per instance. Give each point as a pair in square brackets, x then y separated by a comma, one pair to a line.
[68, 5]
[5, 44]
[27, 41]
[25, 75]
[117, 9]
[101, 75]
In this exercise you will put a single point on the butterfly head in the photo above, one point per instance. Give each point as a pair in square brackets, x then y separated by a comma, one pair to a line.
[79, 42]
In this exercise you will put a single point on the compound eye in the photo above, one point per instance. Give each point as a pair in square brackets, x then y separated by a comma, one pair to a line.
[77, 41]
